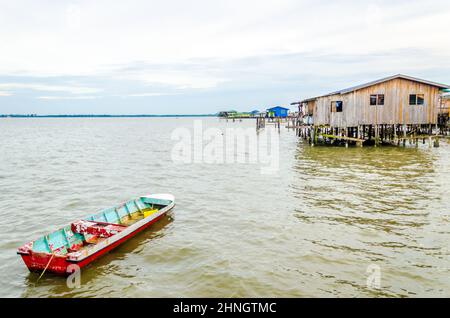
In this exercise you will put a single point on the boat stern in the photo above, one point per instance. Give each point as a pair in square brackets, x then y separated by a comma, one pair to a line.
[37, 262]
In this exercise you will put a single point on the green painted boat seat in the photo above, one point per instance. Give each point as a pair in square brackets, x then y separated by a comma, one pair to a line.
[58, 242]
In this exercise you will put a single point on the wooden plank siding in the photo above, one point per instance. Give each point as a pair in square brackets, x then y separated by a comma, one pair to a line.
[357, 110]
[446, 106]
[310, 108]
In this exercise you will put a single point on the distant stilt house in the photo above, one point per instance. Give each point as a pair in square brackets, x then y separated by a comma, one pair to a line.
[382, 110]
[228, 113]
[255, 113]
[232, 114]
[278, 111]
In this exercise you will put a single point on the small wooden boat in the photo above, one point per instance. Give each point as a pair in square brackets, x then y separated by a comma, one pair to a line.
[83, 241]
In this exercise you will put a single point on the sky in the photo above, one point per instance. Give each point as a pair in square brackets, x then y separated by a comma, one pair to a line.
[203, 56]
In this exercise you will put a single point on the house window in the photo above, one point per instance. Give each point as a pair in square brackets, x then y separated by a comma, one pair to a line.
[420, 99]
[416, 99]
[373, 100]
[336, 107]
[377, 99]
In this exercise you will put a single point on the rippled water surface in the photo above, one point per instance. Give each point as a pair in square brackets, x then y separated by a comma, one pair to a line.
[312, 229]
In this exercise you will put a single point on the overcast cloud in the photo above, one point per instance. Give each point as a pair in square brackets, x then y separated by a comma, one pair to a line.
[203, 56]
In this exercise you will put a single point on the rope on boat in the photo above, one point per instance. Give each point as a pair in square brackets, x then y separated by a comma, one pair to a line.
[42, 274]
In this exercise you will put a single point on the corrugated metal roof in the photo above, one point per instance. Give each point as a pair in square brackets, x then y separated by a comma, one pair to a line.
[277, 107]
[358, 87]
[312, 98]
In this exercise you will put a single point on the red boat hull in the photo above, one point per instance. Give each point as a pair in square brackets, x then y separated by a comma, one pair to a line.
[58, 264]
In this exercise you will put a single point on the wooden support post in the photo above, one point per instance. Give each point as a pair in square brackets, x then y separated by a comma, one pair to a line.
[346, 135]
[436, 142]
[380, 133]
[394, 131]
[377, 136]
[316, 129]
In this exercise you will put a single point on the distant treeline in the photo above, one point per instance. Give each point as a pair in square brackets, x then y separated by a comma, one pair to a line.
[89, 116]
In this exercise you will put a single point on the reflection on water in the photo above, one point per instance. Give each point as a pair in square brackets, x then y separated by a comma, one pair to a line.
[380, 205]
[313, 229]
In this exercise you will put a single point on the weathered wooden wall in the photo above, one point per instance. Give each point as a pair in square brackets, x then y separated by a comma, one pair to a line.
[310, 106]
[446, 106]
[396, 109]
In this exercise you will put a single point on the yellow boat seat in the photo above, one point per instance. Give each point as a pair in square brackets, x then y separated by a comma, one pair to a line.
[150, 212]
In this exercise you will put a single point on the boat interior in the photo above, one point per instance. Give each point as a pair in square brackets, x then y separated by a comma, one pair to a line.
[89, 231]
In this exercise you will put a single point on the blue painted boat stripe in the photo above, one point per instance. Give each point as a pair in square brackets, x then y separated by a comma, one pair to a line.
[47, 243]
[118, 216]
[126, 209]
[65, 236]
[137, 206]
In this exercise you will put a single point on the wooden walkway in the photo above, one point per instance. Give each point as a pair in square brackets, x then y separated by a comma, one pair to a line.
[342, 137]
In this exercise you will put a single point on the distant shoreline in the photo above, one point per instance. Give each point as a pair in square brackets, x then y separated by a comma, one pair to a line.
[99, 116]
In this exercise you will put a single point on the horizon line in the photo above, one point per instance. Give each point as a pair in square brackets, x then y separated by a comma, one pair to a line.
[103, 115]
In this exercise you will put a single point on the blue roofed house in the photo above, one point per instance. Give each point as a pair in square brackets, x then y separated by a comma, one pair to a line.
[278, 111]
